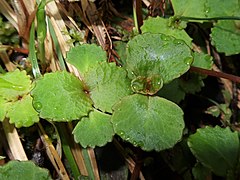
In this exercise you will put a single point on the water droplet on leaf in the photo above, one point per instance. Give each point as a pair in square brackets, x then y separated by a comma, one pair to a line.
[37, 106]
[188, 60]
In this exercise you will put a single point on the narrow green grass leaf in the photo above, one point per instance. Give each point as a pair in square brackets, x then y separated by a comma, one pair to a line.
[32, 53]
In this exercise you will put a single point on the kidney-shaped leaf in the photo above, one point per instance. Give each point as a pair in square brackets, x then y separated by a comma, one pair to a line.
[60, 96]
[22, 113]
[158, 54]
[153, 23]
[22, 170]
[107, 84]
[153, 123]
[85, 56]
[206, 8]
[216, 148]
[94, 130]
[226, 37]
[14, 84]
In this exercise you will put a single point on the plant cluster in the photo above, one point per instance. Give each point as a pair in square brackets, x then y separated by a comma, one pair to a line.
[138, 98]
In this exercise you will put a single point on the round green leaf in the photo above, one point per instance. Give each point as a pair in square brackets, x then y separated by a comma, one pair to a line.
[3, 108]
[22, 170]
[94, 130]
[153, 123]
[206, 8]
[158, 54]
[14, 84]
[85, 56]
[21, 113]
[60, 96]
[107, 84]
[226, 37]
[216, 148]
[152, 25]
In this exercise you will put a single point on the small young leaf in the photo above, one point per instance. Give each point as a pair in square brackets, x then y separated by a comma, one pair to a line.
[86, 56]
[216, 148]
[94, 130]
[153, 23]
[226, 37]
[202, 60]
[22, 113]
[152, 54]
[60, 96]
[107, 84]
[21, 170]
[153, 123]
[14, 84]
[172, 91]
[201, 172]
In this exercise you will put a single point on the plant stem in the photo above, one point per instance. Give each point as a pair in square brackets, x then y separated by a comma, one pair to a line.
[137, 14]
[216, 74]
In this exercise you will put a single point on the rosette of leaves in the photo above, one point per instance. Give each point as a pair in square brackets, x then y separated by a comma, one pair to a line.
[104, 101]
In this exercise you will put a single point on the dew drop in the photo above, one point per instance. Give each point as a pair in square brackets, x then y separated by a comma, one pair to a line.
[188, 60]
[141, 143]
[37, 106]
[6, 84]
[122, 133]
[177, 41]
[165, 38]
[135, 143]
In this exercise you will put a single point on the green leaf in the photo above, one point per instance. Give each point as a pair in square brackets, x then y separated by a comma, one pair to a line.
[226, 37]
[94, 130]
[214, 145]
[21, 170]
[153, 123]
[14, 84]
[202, 60]
[158, 55]
[86, 56]
[107, 84]
[152, 25]
[172, 91]
[22, 113]
[192, 8]
[60, 96]
[201, 172]
[3, 108]
[205, 8]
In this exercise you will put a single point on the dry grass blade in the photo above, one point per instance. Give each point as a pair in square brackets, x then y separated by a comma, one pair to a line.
[129, 161]
[53, 155]
[93, 163]
[7, 11]
[8, 64]
[59, 27]
[10, 131]
[100, 31]
[14, 142]
[23, 17]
